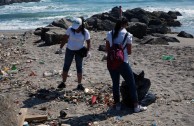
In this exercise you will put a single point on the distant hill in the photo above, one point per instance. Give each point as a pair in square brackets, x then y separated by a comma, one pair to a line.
[5, 2]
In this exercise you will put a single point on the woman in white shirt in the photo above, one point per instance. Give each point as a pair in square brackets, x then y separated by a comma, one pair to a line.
[124, 69]
[75, 37]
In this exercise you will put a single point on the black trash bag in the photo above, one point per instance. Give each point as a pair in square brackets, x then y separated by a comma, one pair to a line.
[148, 99]
[142, 85]
[82, 52]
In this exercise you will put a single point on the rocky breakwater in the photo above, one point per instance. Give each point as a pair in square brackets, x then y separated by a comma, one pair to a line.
[5, 2]
[146, 27]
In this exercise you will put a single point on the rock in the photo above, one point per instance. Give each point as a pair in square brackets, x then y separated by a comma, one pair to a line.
[185, 35]
[167, 38]
[4, 2]
[158, 29]
[62, 23]
[153, 40]
[174, 23]
[137, 29]
[54, 36]
[14, 37]
[63, 114]
[102, 48]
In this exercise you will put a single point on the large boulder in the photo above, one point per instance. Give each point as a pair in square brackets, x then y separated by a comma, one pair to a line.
[154, 40]
[137, 29]
[98, 24]
[185, 35]
[54, 36]
[158, 29]
[62, 23]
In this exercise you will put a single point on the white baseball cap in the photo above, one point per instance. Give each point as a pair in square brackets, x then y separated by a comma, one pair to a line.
[76, 23]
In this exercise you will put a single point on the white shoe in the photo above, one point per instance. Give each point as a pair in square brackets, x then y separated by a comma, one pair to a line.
[139, 108]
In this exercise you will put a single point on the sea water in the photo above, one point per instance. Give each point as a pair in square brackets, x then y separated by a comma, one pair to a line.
[21, 16]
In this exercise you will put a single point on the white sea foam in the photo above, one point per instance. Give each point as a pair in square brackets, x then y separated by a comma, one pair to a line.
[18, 24]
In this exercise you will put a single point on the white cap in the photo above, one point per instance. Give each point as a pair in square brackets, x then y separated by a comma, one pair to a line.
[76, 23]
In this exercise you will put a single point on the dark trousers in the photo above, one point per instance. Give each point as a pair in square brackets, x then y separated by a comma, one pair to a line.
[69, 55]
[126, 72]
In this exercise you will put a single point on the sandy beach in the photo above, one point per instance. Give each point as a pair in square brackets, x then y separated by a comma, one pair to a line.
[171, 81]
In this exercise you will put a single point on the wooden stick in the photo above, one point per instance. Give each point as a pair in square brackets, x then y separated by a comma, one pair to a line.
[22, 115]
[35, 117]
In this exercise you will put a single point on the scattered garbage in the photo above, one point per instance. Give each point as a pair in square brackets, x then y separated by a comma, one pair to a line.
[154, 123]
[88, 91]
[118, 118]
[63, 114]
[93, 99]
[3, 75]
[13, 70]
[192, 101]
[50, 73]
[168, 57]
[41, 62]
[32, 74]
[26, 124]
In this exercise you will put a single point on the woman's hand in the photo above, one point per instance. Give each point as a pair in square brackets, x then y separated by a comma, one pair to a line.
[88, 55]
[59, 51]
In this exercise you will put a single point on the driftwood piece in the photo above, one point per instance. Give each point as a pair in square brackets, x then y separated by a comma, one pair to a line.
[36, 117]
[22, 116]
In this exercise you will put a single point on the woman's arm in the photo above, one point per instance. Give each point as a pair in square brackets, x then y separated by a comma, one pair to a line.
[64, 40]
[129, 46]
[88, 44]
[107, 45]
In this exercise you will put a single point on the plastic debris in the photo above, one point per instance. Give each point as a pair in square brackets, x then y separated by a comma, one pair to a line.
[14, 67]
[167, 57]
[154, 123]
[86, 90]
[41, 62]
[50, 73]
[13, 70]
[93, 99]
[26, 124]
[118, 118]
[32, 74]
[63, 114]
